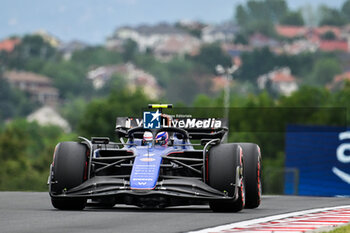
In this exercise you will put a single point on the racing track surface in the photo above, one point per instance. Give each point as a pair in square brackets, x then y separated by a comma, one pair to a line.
[32, 212]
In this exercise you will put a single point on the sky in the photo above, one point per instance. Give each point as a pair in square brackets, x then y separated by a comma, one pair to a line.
[92, 21]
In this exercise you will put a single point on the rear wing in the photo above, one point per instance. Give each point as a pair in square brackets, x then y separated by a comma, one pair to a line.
[197, 128]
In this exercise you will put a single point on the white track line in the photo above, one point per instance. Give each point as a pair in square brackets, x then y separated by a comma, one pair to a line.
[266, 219]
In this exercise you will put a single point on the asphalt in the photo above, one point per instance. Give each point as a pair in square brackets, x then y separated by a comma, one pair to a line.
[32, 212]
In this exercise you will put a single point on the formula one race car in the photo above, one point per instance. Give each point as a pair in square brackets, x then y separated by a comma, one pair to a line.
[158, 166]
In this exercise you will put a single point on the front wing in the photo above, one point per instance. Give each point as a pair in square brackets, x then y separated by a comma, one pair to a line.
[188, 188]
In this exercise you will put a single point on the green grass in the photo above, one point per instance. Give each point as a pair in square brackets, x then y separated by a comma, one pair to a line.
[343, 229]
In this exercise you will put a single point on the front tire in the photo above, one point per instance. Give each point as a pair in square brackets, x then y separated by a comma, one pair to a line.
[222, 164]
[68, 171]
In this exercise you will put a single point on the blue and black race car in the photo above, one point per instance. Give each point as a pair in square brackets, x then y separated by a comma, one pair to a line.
[158, 166]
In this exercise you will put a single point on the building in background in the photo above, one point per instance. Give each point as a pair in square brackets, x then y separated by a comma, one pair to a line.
[48, 38]
[280, 80]
[8, 45]
[135, 78]
[176, 46]
[67, 49]
[146, 36]
[339, 81]
[47, 115]
[40, 88]
[224, 32]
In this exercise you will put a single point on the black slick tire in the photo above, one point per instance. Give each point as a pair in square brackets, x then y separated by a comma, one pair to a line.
[69, 170]
[223, 160]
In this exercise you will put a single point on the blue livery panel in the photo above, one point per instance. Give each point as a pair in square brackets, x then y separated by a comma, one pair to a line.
[145, 171]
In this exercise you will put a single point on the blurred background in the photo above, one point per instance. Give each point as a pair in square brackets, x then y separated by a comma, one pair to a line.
[69, 68]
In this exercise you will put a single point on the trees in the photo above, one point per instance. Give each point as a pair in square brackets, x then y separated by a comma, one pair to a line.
[100, 115]
[95, 56]
[346, 10]
[26, 152]
[256, 63]
[211, 55]
[30, 47]
[130, 48]
[260, 16]
[330, 16]
[68, 77]
[241, 39]
[241, 15]
[13, 103]
[292, 18]
[324, 70]
[329, 35]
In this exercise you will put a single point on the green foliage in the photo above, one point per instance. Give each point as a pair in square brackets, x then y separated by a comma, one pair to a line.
[182, 79]
[68, 77]
[31, 47]
[241, 39]
[324, 70]
[95, 56]
[256, 63]
[202, 101]
[346, 10]
[330, 16]
[273, 174]
[13, 103]
[260, 16]
[271, 10]
[307, 96]
[73, 111]
[329, 35]
[26, 152]
[116, 83]
[241, 15]
[130, 49]
[306, 66]
[211, 55]
[100, 115]
[264, 27]
[156, 68]
[292, 18]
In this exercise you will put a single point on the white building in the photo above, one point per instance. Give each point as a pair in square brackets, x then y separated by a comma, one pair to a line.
[48, 116]
[145, 36]
[219, 33]
[281, 80]
[176, 45]
[134, 77]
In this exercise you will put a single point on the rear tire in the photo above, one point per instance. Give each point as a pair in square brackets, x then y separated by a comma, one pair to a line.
[222, 163]
[252, 174]
[69, 168]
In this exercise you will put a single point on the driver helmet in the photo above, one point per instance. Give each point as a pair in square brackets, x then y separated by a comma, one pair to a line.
[147, 138]
[162, 138]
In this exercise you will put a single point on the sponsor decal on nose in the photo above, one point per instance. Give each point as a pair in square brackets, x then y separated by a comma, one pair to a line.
[147, 159]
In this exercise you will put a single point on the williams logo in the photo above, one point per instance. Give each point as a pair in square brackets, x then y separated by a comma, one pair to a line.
[151, 120]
